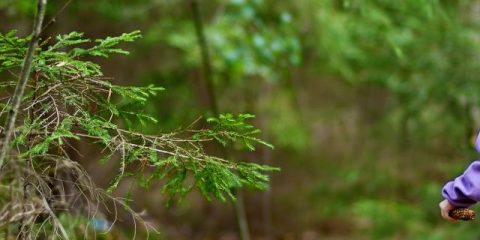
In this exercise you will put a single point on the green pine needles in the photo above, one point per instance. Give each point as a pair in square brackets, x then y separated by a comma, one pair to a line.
[67, 100]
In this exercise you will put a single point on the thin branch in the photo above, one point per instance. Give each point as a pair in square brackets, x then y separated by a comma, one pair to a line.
[22, 82]
[54, 19]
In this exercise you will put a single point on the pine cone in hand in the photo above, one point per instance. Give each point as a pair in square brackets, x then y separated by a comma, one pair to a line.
[464, 214]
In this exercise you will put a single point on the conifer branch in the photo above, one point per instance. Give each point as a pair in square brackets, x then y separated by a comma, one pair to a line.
[71, 100]
[22, 82]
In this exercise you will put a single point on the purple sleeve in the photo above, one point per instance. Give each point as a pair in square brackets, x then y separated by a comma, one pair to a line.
[465, 189]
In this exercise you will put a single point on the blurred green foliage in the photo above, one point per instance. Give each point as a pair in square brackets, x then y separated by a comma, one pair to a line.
[423, 52]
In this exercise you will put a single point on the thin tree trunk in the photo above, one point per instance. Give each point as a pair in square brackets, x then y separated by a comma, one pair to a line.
[206, 66]
[22, 82]
[266, 158]
[267, 199]
[239, 204]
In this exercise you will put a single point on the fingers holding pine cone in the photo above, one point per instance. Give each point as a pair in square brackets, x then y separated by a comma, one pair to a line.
[464, 214]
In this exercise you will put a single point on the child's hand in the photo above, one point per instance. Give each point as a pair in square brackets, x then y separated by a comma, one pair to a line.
[445, 208]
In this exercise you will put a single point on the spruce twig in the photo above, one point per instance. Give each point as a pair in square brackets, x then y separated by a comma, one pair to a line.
[22, 82]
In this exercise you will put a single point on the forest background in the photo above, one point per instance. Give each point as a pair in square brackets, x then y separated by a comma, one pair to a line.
[371, 106]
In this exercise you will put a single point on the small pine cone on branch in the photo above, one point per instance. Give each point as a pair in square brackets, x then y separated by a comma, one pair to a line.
[464, 214]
